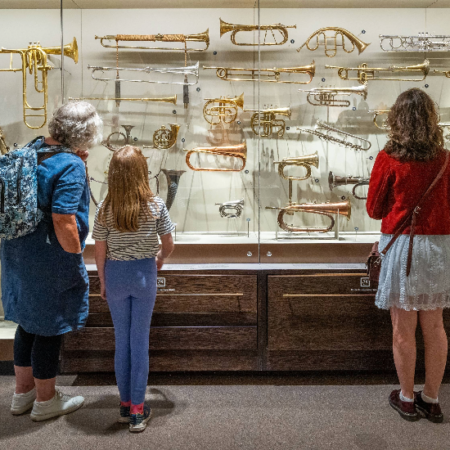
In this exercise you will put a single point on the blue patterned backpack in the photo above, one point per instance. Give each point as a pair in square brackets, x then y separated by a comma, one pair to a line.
[19, 212]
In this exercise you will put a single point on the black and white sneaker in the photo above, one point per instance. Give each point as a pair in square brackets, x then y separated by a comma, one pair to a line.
[124, 414]
[138, 422]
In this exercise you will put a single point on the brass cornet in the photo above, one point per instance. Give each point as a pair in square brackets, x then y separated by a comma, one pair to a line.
[4, 149]
[34, 60]
[267, 75]
[341, 33]
[235, 151]
[365, 73]
[235, 29]
[323, 96]
[232, 209]
[165, 139]
[182, 38]
[335, 181]
[324, 209]
[305, 161]
[264, 122]
[222, 110]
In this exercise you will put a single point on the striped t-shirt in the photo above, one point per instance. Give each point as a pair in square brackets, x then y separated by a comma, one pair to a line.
[132, 245]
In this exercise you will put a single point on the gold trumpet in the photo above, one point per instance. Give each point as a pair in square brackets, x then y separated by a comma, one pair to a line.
[164, 139]
[4, 149]
[305, 161]
[324, 209]
[365, 73]
[264, 122]
[338, 32]
[336, 181]
[323, 96]
[172, 99]
[225, 111]
[267, 75]
[34, 60]
[236, 151]
[226, 27]
[182, 38]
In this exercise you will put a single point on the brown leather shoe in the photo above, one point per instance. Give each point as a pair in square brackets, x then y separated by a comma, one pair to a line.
[406, 409]
[432, 411]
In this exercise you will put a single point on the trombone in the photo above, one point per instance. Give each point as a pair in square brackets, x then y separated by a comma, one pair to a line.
[324, 209]
[335, 181]
[182, 38]
[264, 122]
[305, 161]
[232, 209]
[323, 96]
[34, 60]
[266, 75]
[172, 99]
[226, 27]
[222, 110]
[341, 33]
[365, 73]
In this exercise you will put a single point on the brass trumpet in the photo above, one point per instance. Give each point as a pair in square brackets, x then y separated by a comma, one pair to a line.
[422, 42]
[305, 161]
[4, 149]
[264, 122]
[236, 151]
[182, 38]
[267, 75]
[225, 111]
[338, 32]
[235, 29]
[34, 60]
[323, 96]
[365, 73]
[335, 181]
[232, 209]
[324, 209]
[172, 99]
[164, 139]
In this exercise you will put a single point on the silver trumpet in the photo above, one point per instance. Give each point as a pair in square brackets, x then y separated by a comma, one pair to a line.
[326, 96]
[341, 138]
[232, 209]
[335, 181]
[184, 71]
[422, 42]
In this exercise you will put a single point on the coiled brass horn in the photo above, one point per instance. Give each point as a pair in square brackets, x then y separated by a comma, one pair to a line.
[335, 181]
[323, 96]
[324, 209]
[338, 33]
[4, 149]
[173, 180]
[264, 122]
[305, 161]
[222, 110]
[236, 151]
[232, 209]
[226, 27]
[165, 139]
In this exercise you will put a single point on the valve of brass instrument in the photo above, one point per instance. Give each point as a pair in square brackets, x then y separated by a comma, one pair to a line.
[305, 161]
[264, 122]
[232, 209]
[222, 110]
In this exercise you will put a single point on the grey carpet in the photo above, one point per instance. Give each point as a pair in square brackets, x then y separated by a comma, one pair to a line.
[309, 417]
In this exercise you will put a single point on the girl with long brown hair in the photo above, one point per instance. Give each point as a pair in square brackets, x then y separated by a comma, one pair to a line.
[414, 282]
[126, 229]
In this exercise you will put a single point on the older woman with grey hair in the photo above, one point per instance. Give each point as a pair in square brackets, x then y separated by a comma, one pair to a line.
[44, 279]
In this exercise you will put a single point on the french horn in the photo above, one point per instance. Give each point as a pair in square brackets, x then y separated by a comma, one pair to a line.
[34, 61]
[222, 110]
[324, 209]
[263, 75]
[335, 181]
[232, 209]
[341, 33]
[422, 42]
[264, 122]
[326, 96]
[232, 151]
[364, 73]
[173, 180]
[4, 149]
[163, 138]
[305, 161]
[235, 29]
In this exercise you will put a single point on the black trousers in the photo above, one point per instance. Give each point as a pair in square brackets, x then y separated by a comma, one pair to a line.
[39, 352]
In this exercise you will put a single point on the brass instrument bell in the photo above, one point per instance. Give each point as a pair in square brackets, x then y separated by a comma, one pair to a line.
[335, 181]
[222, 110]
[305, 161]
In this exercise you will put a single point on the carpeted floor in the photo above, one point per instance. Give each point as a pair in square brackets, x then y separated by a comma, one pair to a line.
[216, 417]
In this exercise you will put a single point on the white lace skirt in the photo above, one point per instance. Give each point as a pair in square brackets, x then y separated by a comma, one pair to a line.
[428, 284]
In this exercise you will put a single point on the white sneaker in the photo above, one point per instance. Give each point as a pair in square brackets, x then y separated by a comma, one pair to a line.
[21, 403]
[59, 405]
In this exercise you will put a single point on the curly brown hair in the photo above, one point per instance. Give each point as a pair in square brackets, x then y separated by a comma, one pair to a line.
[415, 134]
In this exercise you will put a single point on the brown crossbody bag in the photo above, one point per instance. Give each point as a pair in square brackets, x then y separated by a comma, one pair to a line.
[374, 260]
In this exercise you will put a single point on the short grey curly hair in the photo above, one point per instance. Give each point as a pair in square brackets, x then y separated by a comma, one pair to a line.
[76, 125]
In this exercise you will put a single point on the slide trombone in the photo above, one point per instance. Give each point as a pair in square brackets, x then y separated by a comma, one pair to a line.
[226, 27]
[323, 96]
[422, 42]
[264, 122]
[222, 110]
[267, 75]
[232, 209]
[305, 161]
[336, 181]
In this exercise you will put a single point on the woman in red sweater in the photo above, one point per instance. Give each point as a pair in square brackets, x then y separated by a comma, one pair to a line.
[403, 172]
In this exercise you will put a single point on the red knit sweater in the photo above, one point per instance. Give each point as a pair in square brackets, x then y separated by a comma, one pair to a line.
[396, 187]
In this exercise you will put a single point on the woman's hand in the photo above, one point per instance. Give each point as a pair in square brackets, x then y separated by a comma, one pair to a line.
[83, 154]
[159, 261]
[103, 291]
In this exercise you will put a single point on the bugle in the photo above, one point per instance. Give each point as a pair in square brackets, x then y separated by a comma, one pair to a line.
[422, 42]
[232, 209]
[335, 181]
[324, 209]
[305, 161]
[173, 180]
[222, 110]
[364, 73]
[323, 39]
[266, 75]
[182, 38]
[323, 96]
[4, 149]
[235, 151]
[235, 29]
[264, 122]
[34, 61]
[172, 99]
[163, 138]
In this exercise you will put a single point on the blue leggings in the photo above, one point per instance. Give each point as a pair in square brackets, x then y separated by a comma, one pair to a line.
[131, 294]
